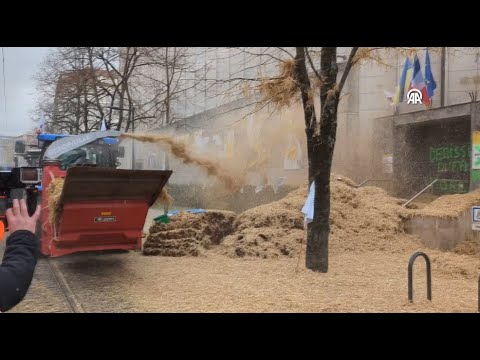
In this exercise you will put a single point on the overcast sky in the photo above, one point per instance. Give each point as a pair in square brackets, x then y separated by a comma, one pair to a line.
[20, 65]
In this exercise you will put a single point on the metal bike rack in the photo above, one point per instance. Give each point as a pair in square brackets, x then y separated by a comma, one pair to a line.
[429, 276]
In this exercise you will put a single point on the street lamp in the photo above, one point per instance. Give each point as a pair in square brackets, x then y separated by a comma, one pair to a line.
[133, 129]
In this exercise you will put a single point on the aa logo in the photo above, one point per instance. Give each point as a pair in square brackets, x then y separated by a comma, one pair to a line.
[414, 96]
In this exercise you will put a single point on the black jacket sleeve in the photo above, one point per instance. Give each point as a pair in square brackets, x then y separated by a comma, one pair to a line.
[16, 271]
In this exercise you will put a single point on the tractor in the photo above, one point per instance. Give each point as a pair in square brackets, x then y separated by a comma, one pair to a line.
[102, 207]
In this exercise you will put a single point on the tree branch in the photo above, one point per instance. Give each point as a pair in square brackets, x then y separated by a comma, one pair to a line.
[311, 64]
[347, 69]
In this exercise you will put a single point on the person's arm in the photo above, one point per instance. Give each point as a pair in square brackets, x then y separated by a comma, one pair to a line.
[20, 257]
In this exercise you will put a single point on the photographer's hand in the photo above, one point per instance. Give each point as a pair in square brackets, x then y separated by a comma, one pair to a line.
[18, 218]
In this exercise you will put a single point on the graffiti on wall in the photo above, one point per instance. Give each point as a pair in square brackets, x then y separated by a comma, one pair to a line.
[450, 164]
[447, 186]
[451, 158]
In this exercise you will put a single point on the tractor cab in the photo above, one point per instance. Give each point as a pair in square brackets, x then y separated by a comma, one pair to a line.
[102, 153]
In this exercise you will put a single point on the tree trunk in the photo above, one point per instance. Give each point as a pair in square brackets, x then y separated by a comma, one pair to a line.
[123, 89]
[320, 163]
[167, 97]
[120, 105]
[78, 114]
[321, 143]
[85, 112]
[95, 81]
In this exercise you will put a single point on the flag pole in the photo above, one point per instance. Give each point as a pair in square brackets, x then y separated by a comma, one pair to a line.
[442, 79]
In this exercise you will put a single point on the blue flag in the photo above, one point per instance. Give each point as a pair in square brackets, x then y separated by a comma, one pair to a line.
[429, 80]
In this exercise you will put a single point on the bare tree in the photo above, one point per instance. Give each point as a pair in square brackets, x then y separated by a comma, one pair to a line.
[80, 86]
[72, 88]
[163, 76]
[120, 64]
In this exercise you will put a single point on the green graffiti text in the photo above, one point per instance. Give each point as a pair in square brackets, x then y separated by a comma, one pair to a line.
[449, 152]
